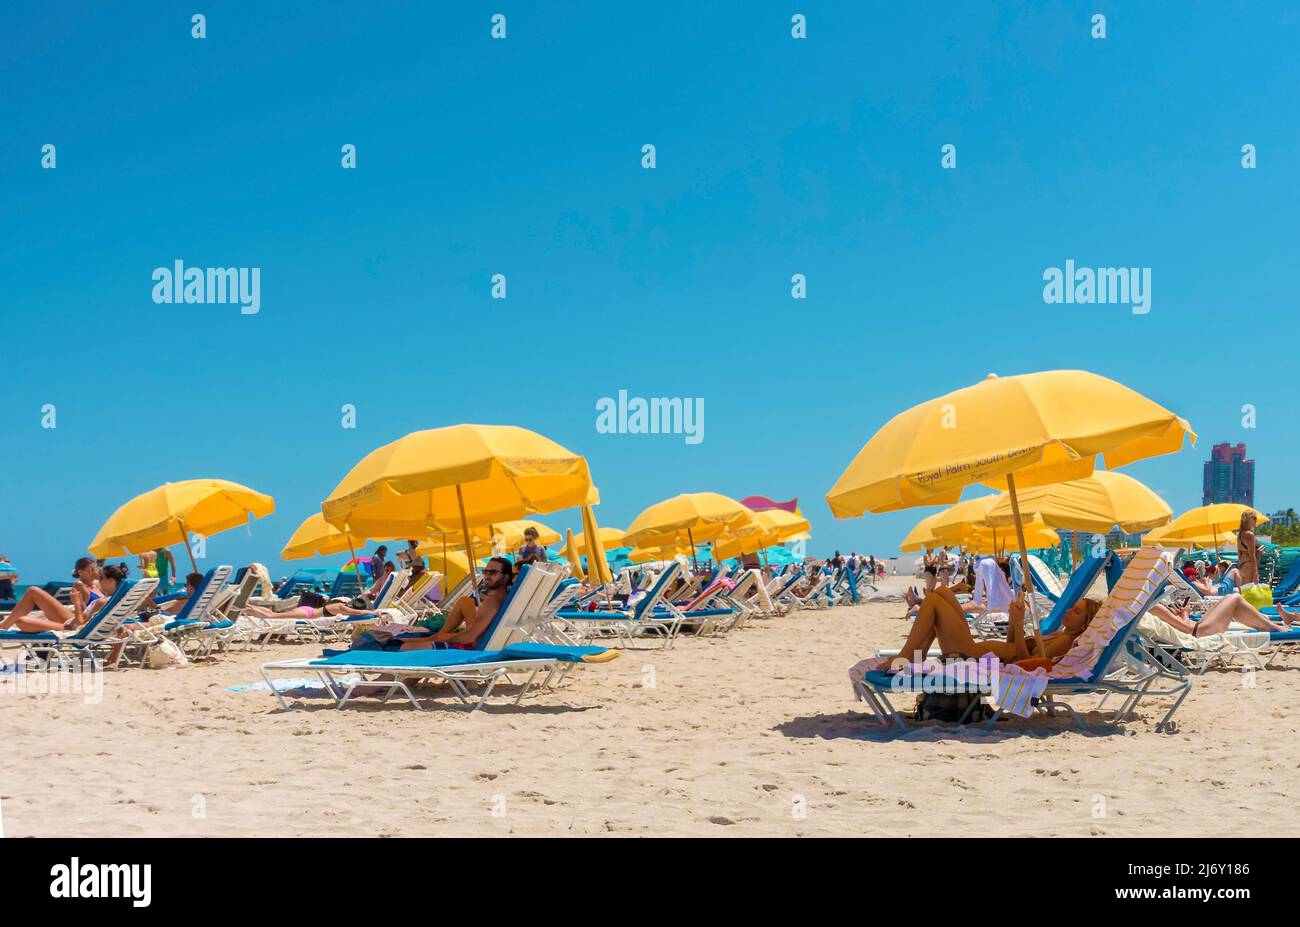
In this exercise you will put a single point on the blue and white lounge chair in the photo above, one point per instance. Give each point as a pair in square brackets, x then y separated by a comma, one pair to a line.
[390, 672]
[1045, 582]
[189, 629]
[1100, 661]
[345, 585]
[647, 614]
[100, 632]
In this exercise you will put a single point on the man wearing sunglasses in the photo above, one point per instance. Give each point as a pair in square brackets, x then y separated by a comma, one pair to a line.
[469, 618]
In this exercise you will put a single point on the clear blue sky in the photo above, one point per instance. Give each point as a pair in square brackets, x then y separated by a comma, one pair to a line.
[522, 157]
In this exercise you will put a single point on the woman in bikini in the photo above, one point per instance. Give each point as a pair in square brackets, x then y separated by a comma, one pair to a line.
[53, 614]
[940, 619]
[1222, 613]
[1257, 594]
[305, 611]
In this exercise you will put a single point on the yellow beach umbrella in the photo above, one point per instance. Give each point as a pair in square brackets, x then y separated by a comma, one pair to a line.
[1207, 524]
[1027, 430]
[990, 540]
[571, 554]
[1202, 539]
[921, 535]
[460, 476]
[1216, 519]
[776, 526]
[610, 538]
[1095, 504]
[668, 552]
[692, 518]
[962, 519]
[166, 515]
[598, 571]
[511, 533]
[452, 564]
[316, 537]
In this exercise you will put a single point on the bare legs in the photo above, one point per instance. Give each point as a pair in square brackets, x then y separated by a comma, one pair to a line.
[940, 618]
[1234, 608]
[1227, 610]
[57, 617]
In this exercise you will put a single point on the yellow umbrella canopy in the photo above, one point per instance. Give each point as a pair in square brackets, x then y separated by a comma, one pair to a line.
[668, 552]
[1040, 427]
[775, 527]
[165, 515]
[990, 540]
[459, 476]
[452, 564]
[609, 539]
[1095, 504]
[316, 537]
[955, 522]
[1203, 539]
[423, 483]
[1209, 520]
[922, 534]
[598, 571]
[511, 533]
[1032, 430]
[691, 518]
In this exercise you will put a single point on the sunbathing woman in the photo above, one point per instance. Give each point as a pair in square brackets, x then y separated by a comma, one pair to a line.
[1222, 613]
[940, 619]
[54, 615]
[307, 610]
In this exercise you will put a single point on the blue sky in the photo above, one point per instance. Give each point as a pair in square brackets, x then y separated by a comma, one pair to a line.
[522, 156]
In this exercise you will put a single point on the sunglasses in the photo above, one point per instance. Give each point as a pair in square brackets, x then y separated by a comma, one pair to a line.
[493, 572]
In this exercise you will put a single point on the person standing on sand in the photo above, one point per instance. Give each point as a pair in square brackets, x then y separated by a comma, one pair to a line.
[1252, 590]
[166, 565]
[377, 562]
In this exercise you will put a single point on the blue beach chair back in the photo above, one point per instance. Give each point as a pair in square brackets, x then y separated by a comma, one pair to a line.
[1081, 581]
[655, 595]
[1290, 582]
[196, 607]
[345, 585]
[1150, 576]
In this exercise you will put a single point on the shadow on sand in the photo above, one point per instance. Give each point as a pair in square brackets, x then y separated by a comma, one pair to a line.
[859, 725]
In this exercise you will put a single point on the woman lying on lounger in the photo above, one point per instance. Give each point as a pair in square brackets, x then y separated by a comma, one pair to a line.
[1222, 613]
[310, 607]
[91, 591]
[940, 619]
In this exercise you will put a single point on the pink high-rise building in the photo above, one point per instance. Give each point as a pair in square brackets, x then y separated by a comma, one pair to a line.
[1228, 476]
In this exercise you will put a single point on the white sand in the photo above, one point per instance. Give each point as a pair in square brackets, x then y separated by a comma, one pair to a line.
[756, 733]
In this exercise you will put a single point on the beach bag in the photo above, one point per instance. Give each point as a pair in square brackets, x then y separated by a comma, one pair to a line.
[950, 707]
[165, 655]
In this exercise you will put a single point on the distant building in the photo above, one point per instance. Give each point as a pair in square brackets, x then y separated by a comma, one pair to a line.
[1228, 476]
[1284, 518]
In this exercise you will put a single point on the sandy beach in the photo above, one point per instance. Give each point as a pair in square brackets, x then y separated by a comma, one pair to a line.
[753, 734]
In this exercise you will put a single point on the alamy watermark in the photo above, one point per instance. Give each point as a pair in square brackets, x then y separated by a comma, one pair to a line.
[1121, 285]
[660, 415]
[240, 286]
[27, 676]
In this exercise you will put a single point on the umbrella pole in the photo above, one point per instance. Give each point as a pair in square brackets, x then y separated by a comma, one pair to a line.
[1026, 584]
[469, 543]
[1074, 553]
[185, 535]
[694, 563]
